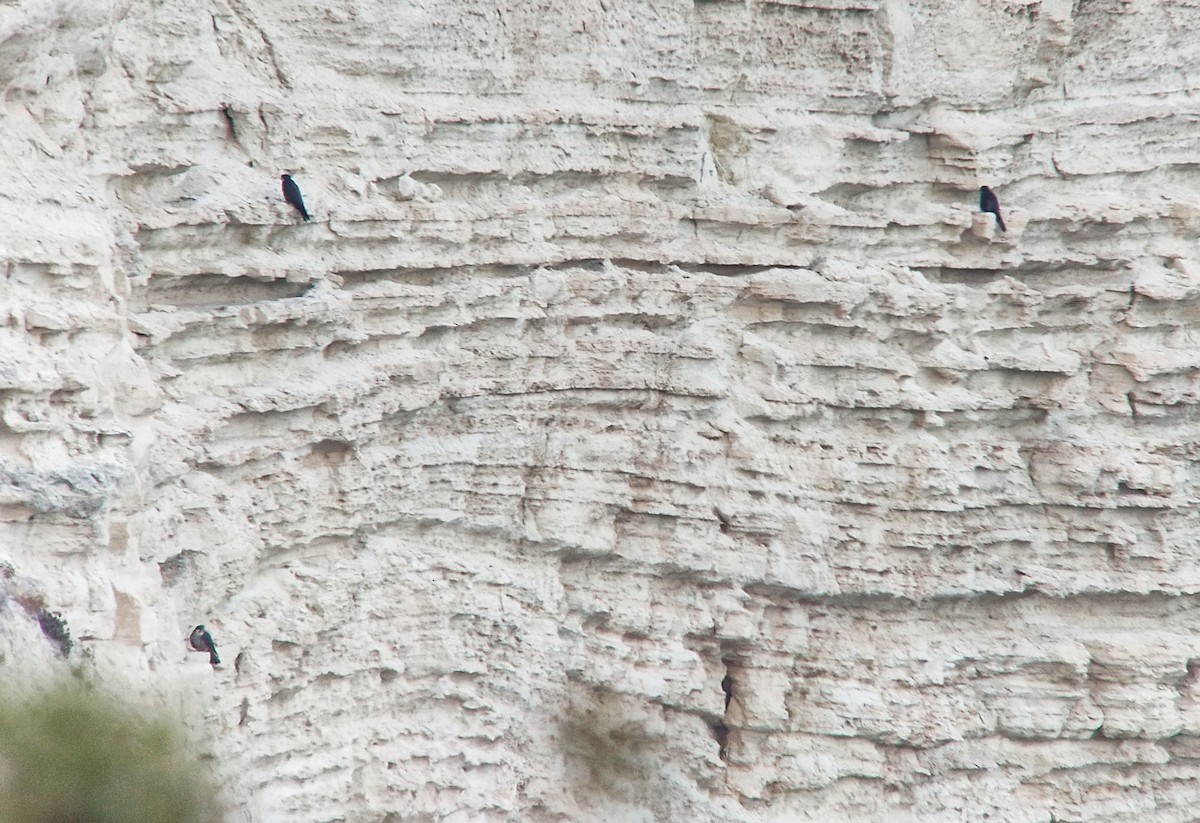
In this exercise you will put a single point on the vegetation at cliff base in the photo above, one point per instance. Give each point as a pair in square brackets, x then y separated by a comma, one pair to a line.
[71, 755]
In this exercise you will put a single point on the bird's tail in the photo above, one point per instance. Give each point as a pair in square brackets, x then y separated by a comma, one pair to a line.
[213, 658]
[1000, 220]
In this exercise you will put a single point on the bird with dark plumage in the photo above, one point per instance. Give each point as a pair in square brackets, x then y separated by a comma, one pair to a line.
[202, 641]
[291, 193]
[988, 202]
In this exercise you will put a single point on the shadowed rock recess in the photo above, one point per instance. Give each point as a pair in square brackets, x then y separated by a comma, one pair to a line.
[647, 426]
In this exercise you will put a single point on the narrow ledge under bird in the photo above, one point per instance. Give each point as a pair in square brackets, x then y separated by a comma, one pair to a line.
[291, 193]
[202, 641]
[990, 203]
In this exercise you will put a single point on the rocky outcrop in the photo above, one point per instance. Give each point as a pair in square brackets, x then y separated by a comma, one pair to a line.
[647, 426]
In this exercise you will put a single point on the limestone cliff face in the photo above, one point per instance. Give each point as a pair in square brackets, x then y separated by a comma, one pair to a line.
[646, 427]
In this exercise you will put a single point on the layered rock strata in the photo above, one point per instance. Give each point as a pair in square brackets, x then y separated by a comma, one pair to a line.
[647, 426]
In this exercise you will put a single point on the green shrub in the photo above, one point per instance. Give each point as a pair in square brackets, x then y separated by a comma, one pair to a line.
[55, 629]
[73, 756]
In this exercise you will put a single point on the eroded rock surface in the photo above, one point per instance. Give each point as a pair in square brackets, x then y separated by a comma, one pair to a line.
[647, 426]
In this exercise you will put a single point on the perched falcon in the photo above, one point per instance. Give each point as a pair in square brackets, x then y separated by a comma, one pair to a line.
[988, 202]
[202, 641]
[291, 193]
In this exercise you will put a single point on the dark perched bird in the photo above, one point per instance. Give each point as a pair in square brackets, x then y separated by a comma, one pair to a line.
[988, 202]
[202, 641]
[291, 193]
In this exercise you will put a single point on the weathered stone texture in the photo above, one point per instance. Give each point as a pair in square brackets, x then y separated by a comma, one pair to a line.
[647, 426]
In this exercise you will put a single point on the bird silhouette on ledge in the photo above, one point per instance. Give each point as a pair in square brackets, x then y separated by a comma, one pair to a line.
[202, 641]
[988, 202]
[291, 193]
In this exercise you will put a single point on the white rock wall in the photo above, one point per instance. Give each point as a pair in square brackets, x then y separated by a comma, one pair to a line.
[646, 428]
